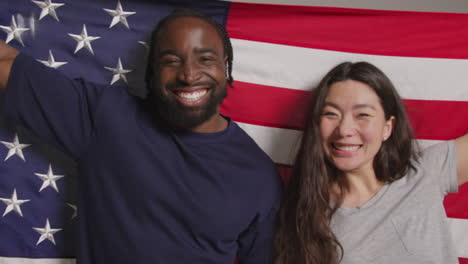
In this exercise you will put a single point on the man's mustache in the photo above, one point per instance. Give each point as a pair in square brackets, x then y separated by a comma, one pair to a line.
[178, 85]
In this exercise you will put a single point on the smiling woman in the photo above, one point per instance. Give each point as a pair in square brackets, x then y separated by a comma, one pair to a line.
[353, 127]
[357, 164]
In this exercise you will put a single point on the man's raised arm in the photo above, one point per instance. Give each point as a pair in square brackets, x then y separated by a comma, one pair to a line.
[7, 56]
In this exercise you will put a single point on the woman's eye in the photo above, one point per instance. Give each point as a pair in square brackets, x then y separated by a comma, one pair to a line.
[364, 115]
[329, 114]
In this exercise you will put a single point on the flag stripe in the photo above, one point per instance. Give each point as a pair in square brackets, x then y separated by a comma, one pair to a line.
[4, 260]
[282, 144]
[302, 68]
[286, 108]
[454, 6]
[455, 205]
[415, 34]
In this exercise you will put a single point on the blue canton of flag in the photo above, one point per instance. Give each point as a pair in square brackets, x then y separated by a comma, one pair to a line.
[105, 42]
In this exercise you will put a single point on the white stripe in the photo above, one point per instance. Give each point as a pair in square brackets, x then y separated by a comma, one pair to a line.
[302, 68]
[459, 229]
[456, 6]
[4, 260]
[282, 144]
[278, 143]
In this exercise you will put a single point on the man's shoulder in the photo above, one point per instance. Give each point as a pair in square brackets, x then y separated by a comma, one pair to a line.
[244, 140]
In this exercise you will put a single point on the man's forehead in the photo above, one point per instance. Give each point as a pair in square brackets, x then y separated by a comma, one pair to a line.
[177, 29]
[186, 24]
[179, 23]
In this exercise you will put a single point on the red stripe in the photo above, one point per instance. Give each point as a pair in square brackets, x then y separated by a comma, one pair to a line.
[454, 203]
[286, 108]
[394, 33]
[463, 260]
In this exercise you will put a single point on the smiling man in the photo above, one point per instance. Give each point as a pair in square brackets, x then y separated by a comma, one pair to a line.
[188, 81]
[162, 180]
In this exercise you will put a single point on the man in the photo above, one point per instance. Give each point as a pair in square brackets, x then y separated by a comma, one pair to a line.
[162, 180]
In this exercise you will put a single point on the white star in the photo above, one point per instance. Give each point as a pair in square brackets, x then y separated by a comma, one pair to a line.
[14, 32]
[49, 179]
[51, 61]
[84, 40]
[48, 8]
[119, 72]
[13, 204]
[46, 233]
[119, 15]
[144, 44]
[75, 210]
[16, 148]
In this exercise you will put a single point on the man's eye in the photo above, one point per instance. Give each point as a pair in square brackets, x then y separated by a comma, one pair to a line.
[169, 61]
[206, 59]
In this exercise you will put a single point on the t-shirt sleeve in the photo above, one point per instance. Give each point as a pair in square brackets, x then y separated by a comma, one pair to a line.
[55, 107]
[440, 161]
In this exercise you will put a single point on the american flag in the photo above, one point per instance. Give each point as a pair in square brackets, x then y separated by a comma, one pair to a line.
[281, 50]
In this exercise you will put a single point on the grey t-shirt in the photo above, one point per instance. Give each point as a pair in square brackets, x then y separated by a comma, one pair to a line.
[405, 222]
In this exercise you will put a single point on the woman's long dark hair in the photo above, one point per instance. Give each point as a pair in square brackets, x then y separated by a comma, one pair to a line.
[304, 235]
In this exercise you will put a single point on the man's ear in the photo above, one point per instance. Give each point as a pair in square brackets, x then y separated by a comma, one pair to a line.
[226, 66]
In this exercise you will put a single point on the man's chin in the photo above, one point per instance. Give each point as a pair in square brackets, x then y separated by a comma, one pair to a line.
[186, 119]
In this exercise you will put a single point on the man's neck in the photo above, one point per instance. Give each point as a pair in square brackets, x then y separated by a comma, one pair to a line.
[216, 123]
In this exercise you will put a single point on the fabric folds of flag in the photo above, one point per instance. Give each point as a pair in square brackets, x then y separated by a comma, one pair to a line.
[280, 53]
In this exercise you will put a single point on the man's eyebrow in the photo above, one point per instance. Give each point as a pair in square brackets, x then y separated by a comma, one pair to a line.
[205, 50]
[167, 52]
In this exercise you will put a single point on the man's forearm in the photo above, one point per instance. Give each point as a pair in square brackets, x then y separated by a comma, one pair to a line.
[7, 56]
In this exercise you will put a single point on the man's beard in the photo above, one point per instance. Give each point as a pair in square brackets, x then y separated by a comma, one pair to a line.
[168, 109]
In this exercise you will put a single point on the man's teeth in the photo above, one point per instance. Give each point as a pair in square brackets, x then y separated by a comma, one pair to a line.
[347, 148]
[192, 96]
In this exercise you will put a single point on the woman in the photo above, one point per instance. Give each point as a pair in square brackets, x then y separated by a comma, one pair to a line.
[361, 192]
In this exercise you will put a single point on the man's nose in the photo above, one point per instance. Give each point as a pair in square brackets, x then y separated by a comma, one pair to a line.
[189, 72]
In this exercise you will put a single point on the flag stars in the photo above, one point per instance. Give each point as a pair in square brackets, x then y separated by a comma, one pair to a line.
[15, 148]
[13, 204]
[144, 44]
[75, 210]
[14, 32]
[46, 233]
[119, 15]
[119, 72]
[51, 62]
[84, 41]
[49, 179]
[48, 8]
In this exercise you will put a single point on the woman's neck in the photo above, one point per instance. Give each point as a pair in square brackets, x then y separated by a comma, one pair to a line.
[360, 188]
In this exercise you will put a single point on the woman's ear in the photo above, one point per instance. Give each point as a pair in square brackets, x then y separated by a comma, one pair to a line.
[389, 124]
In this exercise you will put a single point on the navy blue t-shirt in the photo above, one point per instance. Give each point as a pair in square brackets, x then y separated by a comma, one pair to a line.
[147, 194]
